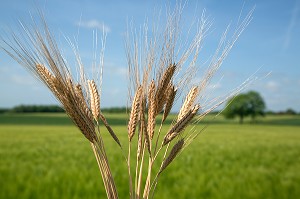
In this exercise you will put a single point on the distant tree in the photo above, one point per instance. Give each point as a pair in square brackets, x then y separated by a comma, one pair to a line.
[256, 104]
[290, 111]
[115, 110]
[236, 107]
[37, 109]
[243, 105]
[270, 112]
[4, 110]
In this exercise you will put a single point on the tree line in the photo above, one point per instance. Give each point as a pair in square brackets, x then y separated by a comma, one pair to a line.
[52, 109]
[250, 104]
[34, 109]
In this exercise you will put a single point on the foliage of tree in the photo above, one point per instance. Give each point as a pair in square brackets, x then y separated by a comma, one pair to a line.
[3, 110]
[53, 109]
[290, 111]
[37, 109]
[115, 110]
[245, 104]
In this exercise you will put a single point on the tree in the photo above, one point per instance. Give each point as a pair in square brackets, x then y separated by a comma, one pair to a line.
[248, 104]
[37, 109]
[290, 111]
[256, 104]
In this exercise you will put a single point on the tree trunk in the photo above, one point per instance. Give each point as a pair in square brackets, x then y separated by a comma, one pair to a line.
[241, 119]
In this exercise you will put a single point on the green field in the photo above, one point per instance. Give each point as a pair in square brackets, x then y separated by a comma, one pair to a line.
[45, 156]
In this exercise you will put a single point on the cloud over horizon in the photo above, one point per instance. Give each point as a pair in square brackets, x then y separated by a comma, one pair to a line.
[94, 24]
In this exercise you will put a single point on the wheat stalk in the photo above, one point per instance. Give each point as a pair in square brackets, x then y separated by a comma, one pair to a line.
[110, 130]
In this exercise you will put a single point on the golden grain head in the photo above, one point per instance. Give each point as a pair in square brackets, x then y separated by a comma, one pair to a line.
[161, 95]
[180, 125]
[169, 102]
[172, 155]
[188, 102]
[135, 107]
[151, 110]
[94, 99]
[45, 75]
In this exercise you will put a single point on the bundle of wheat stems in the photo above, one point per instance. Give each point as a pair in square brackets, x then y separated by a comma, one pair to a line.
[159, 72]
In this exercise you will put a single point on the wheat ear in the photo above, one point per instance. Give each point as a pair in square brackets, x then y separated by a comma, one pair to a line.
[151, 110]
[169, 102]
[188, 102]
[81, 101]
[174, 152]
[135, 107]
[144, 126]
[51, 81]
[95, 99]
[180, 125]
[66, 98]
[162, 87]
[86, 127]
[46, 75]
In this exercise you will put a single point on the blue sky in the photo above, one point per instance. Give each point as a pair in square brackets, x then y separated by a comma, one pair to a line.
[271, 43]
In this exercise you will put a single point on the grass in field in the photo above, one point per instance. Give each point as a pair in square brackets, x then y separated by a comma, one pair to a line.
[44, 156]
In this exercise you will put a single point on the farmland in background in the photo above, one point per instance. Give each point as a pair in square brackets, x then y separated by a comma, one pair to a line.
[44, 156]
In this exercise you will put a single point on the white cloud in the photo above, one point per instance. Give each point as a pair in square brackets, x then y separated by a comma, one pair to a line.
[121, 71]
[4, 69]
[214, 86]
[272, 86]
[114, 69]
[94, 24]
[114, 92]
[23, 79]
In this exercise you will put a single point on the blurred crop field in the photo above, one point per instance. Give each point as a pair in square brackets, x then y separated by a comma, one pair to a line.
[45, 156]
